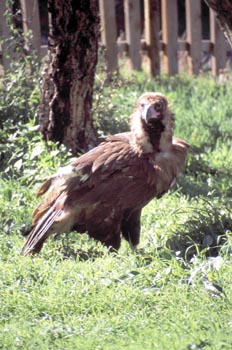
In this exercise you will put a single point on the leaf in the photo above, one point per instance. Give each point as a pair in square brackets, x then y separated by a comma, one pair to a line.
[36, 151]
[18, 164]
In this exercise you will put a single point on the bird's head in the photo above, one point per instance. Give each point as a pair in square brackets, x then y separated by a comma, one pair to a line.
[153, 107]
[152, 122]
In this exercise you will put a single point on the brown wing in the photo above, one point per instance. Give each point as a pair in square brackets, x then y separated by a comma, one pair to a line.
[88, 183]
[111, 152]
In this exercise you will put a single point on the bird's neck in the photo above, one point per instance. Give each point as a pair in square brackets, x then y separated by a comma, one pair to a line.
[154, 133]
[150, 138]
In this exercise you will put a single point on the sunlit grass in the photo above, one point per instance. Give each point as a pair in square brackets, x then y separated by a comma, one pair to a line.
[174, 292]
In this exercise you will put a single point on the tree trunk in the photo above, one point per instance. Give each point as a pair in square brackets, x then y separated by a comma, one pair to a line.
[223, 9]
[65, 109]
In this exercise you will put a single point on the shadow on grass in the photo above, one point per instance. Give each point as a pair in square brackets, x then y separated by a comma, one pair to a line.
[80, 247]
[205, 232]
[200, 179]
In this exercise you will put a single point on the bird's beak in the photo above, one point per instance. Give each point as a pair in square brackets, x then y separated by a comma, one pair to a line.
[149, 113]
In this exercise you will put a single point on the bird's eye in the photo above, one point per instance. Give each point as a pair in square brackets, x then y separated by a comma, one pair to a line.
[142, 105]
[158, 106]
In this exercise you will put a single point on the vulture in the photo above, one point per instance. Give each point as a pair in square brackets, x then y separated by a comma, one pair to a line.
[103, 191]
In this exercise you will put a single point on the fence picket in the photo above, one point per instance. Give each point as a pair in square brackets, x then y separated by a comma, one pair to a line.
[109, 34]
[152, 25]
[169, 33]
[194, 35]
[7, 52]
[31, 21]
[133, 31]
[217, 38]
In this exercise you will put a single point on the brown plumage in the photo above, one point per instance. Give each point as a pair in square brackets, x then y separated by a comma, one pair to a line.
[103, 191]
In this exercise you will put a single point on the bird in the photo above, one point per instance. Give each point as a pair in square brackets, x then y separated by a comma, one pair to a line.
[102, 192]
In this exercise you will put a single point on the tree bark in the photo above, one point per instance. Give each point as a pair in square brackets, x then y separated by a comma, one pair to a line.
[223, 9]
[66, 101]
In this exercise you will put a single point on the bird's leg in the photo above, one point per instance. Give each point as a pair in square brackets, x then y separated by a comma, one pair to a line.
[113, 242]
[130, 226]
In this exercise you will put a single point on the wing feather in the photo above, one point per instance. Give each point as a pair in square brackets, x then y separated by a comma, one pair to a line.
[40, 232]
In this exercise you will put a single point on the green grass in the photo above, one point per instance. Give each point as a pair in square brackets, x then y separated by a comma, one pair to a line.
[175, 291]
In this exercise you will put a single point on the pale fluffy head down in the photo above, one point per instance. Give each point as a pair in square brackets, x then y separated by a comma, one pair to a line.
[152, 98]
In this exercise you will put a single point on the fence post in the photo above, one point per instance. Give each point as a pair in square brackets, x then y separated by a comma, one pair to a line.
[133, 31]
[31, 21]
[217, 38]
[170, 35]
[7, 51]
[152, 25]
[109, 34]
[194, 35]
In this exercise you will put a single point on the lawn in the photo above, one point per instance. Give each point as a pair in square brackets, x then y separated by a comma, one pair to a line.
[175, 291]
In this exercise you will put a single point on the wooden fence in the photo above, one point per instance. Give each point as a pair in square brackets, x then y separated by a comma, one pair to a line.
[162, 54]
[158, 49]
[30, 21]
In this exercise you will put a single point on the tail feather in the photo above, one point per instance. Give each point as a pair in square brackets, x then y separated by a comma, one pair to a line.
[40, 232]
